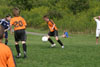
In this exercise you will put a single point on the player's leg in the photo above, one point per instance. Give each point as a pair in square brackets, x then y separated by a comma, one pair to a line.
[97, 36]
[57, 39]
[24, 48]
[64, 36]
[6, 38]
[23, 39]
[16, 36]
[50, 40]
[6, 41]
[17, 49]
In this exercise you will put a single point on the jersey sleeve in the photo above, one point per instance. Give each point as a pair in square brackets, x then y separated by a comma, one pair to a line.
[0, 22]
[8, 26]
[52, 21]
[10, 59]
[96, 20]
[11, 22]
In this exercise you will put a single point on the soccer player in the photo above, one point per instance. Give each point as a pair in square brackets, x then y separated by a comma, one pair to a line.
[97, 19]
[19, 31]
[53, 32]
[65, 34]
[6, 57]
[6, 24]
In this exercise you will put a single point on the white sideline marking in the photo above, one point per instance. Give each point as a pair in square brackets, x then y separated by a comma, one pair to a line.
[33, 33]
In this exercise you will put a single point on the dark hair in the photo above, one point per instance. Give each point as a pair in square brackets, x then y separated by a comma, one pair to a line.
[8, 15]
[16, 11]
[45, 16]
[1, 31]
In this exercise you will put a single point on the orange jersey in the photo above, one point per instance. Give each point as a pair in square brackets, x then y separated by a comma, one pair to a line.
[51, 24]
[18, 22]
[6, 57]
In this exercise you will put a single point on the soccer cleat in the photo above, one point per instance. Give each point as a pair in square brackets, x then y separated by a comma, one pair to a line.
[25, 55]
[62, 46]
[53, 45]
[18, 56]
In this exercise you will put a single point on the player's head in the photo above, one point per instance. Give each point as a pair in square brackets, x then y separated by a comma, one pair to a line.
[64, 30]
[16, 12]
[1, 32]
[46, 18]
[8, 17]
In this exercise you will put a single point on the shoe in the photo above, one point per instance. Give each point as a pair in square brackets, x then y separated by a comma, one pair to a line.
[18, 56]
[62, 46]
[53, 45]
[25, 56]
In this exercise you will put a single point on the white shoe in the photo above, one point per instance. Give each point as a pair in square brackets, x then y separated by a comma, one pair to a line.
[62, 46]
[18, 56]
[53, 45]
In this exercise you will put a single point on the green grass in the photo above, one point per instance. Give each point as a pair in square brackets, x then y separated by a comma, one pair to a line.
[79, 51]
[30, 29]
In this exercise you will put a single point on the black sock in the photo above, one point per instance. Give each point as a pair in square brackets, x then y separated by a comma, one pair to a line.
[49, 39]
[24, 47]
[17, 48]
[60, 42]
[6, 42]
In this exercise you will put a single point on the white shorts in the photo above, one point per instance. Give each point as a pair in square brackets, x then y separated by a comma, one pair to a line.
[97, 33]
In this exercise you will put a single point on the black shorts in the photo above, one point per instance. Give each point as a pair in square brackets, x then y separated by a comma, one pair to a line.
[54, 33]
[20, 35]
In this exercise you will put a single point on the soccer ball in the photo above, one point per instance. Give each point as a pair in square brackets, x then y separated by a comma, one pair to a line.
[44, 38]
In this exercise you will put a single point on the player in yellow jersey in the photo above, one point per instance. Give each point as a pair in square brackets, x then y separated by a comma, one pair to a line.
[53, 32]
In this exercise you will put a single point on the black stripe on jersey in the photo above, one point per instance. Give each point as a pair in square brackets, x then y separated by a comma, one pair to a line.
[51, 21]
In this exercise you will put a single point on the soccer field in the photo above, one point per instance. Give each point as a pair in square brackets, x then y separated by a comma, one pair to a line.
[79, 51]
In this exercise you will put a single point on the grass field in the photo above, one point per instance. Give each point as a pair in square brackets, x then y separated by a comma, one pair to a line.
[79, 51]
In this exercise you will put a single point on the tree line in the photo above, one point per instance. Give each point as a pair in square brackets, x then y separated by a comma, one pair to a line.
[72, 15]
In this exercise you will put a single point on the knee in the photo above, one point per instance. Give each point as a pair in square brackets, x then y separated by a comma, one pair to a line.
[57, 39]
[6, 39]
[97, 37]
[16, 43]
[48, 37]
[23, 42]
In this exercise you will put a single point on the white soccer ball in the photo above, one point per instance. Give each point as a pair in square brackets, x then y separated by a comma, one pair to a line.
[44, 38]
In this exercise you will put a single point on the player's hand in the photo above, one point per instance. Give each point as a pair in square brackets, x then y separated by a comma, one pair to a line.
[11, 33]
[52, 28]
[5, 30]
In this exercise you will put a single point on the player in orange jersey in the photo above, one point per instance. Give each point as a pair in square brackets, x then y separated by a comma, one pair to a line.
[6, 57]
[19, 31]
[53, 32]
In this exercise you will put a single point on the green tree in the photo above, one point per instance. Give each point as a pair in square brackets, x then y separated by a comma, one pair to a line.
[78, 5]
[23, 4]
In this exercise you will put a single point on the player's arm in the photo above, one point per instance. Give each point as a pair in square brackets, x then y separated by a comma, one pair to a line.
[8, 25]
[11, 28]
[0, 22]
[10, 60]
[95, 17]
[11, 23]
[53, 24]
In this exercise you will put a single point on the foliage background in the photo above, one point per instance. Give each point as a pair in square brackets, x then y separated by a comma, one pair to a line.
[72, 15]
